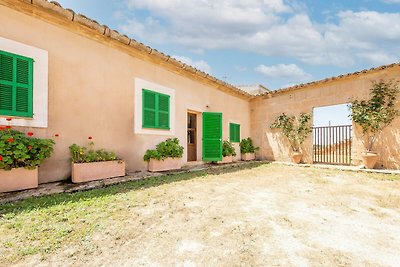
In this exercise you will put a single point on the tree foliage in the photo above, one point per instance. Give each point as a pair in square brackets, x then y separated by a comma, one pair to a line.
[378, 112]
[295, 129]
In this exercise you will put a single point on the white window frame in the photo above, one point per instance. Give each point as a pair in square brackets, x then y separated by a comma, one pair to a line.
[143, 84]
[40, 83]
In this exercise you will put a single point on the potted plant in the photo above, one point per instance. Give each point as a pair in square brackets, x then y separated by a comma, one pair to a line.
[89, 164]
[20, 156]
[296, 130]
[247, 149]
[374, 115]
[166, 156]
[228, 152]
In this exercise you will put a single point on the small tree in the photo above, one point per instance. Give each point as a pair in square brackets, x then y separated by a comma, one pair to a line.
[296, 130]
[377, 113]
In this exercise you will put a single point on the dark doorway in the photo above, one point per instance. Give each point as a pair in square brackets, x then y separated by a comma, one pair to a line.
[191, 137]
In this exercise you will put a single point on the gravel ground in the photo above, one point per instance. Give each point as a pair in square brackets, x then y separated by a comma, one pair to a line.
[271, 215]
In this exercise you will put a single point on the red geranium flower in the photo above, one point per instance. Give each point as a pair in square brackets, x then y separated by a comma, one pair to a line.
[8, 127]
[1, 158]
[29, 133]
[10, 140]
[90, 138]
[2, 128]
[8, 119]
[30, 147]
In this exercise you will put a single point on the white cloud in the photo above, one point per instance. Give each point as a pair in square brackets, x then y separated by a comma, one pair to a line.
[199, 64]
[391, 1]
[240, 68]
[288, 72]
[268, 27]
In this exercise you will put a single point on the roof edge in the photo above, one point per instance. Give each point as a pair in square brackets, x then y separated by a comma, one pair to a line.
[55, 9]
[326, 80]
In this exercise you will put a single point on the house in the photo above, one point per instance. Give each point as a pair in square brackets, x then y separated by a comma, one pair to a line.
[64, 74]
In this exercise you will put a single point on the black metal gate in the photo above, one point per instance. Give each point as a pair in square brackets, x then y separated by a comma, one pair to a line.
[332, 144]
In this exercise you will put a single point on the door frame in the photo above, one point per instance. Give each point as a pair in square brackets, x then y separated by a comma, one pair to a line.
[196, 135]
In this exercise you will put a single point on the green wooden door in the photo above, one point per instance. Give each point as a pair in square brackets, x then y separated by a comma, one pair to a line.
[212, 136]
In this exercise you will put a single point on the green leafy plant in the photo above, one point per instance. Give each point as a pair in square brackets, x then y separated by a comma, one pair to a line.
[377, 113]
[246, 146]
[228, 149]
[18, 149]
[295, 129]
[81, 154]
[170, 148]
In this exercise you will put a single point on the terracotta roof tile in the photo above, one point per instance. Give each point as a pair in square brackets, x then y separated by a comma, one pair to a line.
[69, 14]
[342, 76]
[115, 35]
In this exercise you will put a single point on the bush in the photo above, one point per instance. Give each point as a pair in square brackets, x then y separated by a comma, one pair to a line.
[19, 150]
[170, 148]
[88, 154]
[228, 149]
[246, 146]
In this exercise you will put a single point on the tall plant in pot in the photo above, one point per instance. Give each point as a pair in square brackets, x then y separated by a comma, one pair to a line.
[296, 130]
[374, 115]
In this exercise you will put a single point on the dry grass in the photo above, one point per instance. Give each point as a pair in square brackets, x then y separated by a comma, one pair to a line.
[270, 214]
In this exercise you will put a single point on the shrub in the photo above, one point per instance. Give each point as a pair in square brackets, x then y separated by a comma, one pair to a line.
[89, 154]
[296, 130]
[246, 146]
[377, 113]
[170, 148]
[228, 149]
[18, 149]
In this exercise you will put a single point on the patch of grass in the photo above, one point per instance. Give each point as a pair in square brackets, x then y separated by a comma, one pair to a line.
[41, 225]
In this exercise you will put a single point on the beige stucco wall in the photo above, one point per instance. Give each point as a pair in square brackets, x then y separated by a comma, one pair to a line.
[91, 93]
[274, 147]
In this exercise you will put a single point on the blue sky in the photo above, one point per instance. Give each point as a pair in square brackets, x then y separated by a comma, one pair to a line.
[276, 43]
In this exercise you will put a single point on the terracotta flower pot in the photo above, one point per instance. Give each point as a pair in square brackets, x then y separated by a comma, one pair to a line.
[248, 156]
[18, 179]
[165, 165]
[296, 157]
[85, 172]
[226, 159]
[369, 159]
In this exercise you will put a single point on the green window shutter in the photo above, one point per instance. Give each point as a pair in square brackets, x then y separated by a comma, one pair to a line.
[149, 109]
[234, 132]
[163, 111]
[155, 110]
[212, 136]
[16, 85]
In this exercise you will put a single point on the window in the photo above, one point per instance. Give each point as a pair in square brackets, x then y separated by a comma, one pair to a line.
[234, 132]
[155, 110]
[16, 85]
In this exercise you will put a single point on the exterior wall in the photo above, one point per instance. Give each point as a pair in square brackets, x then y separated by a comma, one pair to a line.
[92, 93]
[272, 144]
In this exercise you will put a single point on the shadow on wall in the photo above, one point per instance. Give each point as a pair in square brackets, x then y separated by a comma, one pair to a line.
[279, 144]
[388, 147]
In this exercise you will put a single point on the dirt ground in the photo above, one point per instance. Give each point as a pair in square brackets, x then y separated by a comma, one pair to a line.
[272, 215]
